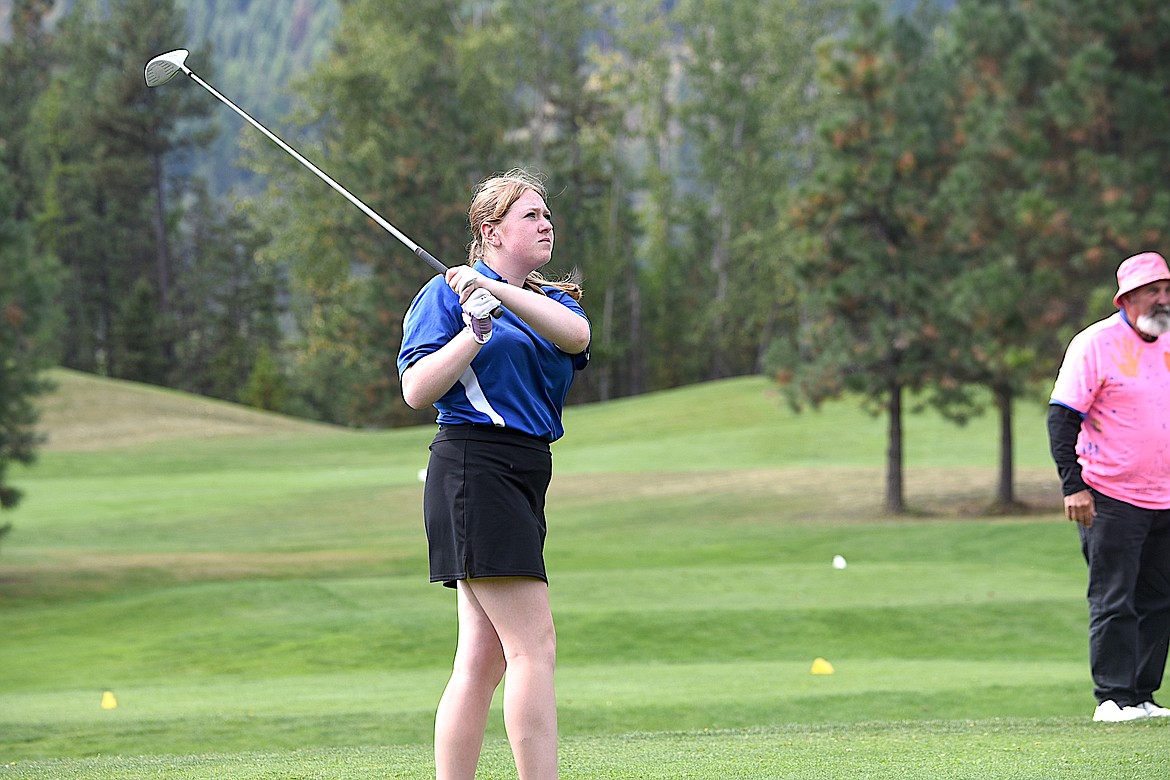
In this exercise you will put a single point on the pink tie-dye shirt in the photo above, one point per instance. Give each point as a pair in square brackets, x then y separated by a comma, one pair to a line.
[1120, 383]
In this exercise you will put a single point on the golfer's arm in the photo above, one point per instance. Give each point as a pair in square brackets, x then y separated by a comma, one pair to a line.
[555, 322]
[430, 377]
[1064, 425]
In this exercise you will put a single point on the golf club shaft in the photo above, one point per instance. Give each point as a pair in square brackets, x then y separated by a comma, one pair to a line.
[418, 250]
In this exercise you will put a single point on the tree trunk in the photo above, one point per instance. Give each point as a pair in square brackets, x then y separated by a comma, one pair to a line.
[162, 260]
[1005, 496]
[636, 362]
[719, 260]
[895, 491]
[604, 380]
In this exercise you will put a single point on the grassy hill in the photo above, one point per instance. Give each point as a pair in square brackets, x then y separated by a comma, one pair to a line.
[252, 591]
[88, 413]
[164, 484]
[739, 425]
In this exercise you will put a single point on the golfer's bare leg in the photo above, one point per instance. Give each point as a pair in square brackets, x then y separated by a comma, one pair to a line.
[463, 710]
[518, 608]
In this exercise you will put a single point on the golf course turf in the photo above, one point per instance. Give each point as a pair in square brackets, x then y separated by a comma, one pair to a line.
[246, 594]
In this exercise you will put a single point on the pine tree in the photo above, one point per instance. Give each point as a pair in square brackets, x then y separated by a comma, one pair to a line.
[411, 115]
[101, 137]
[28, 279]
[1057, 179]
[225, 311]
[748, 74]
[25, 61]
[568, 119]
[869, 266]
[28, 283]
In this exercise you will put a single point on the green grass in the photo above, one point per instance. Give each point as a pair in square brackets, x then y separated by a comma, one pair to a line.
[945, 750]
[1005, 750]
[253, 591]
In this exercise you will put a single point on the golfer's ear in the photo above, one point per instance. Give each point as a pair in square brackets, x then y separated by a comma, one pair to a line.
[487, 232]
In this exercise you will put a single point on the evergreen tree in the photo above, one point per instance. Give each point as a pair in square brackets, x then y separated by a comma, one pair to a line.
[27, 286]
[1008, 220]
[101, 137]
[267, 385]
[646, 79]
[411, 115]
[25, 61]
[567, 119]
[1057, 179]
[225, 313]
[747, 114]
[138, 341]
[870, 269]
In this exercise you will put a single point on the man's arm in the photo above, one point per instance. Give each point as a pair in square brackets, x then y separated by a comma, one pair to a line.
[1064, 426]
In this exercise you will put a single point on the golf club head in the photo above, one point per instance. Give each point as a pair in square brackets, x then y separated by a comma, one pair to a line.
[163, 68]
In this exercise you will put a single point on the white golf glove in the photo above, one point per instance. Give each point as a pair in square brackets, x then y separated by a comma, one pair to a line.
[477, 314]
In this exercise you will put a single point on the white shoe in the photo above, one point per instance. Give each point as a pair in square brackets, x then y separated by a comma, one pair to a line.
[1154, 710]
[1109, 712]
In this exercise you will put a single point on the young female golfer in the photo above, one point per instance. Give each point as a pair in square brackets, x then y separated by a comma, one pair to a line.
[499, 386]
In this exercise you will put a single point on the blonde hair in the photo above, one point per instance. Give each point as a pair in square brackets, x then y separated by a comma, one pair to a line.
[491, 201]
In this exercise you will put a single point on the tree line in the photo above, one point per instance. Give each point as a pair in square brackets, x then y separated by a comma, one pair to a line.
[918, 208]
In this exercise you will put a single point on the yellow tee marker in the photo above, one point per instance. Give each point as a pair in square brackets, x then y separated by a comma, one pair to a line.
[108, 701]
[821, 666]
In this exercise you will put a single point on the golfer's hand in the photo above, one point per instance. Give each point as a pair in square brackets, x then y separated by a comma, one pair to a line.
[1079, 508]
[477, 314]
[464, 280]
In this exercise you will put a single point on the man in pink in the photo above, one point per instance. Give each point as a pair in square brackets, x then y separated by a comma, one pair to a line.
[1109, 432]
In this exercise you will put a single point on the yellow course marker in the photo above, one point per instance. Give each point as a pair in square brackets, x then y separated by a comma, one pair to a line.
[821, 666]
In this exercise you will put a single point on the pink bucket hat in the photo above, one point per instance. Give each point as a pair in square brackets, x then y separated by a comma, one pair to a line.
[1139, 270]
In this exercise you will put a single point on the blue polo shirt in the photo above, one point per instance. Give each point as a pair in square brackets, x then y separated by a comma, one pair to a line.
[519, 379]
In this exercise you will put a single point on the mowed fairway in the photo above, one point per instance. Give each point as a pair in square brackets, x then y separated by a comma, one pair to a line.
[252, 592]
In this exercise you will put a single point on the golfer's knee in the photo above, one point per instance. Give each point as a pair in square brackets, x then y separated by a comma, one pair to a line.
[538, 653]
[485, 665]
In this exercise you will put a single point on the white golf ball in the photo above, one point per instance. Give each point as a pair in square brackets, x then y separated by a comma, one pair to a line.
[839, 562]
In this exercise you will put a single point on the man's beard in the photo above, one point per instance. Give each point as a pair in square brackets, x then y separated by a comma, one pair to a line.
[1156, 322]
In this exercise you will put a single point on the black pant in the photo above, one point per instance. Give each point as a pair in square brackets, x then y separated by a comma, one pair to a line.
[1128, 552]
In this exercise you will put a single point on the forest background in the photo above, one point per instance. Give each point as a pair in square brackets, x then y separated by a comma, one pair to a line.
[915, 203]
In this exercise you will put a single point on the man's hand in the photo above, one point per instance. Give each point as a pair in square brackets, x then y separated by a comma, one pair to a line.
[1079, 508]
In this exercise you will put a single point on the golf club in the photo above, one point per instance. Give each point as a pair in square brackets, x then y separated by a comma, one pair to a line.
[164, 67]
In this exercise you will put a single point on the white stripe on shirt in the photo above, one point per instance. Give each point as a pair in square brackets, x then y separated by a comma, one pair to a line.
[476, 397]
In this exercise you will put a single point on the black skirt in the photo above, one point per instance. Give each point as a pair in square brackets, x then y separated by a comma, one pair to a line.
[483, 504]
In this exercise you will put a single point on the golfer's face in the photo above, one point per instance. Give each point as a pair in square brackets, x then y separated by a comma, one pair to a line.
[1149, 299]
[526, 231]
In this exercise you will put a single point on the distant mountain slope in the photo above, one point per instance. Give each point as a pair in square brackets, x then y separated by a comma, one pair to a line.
[88, 412]
[251, 51]
[256, 50]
